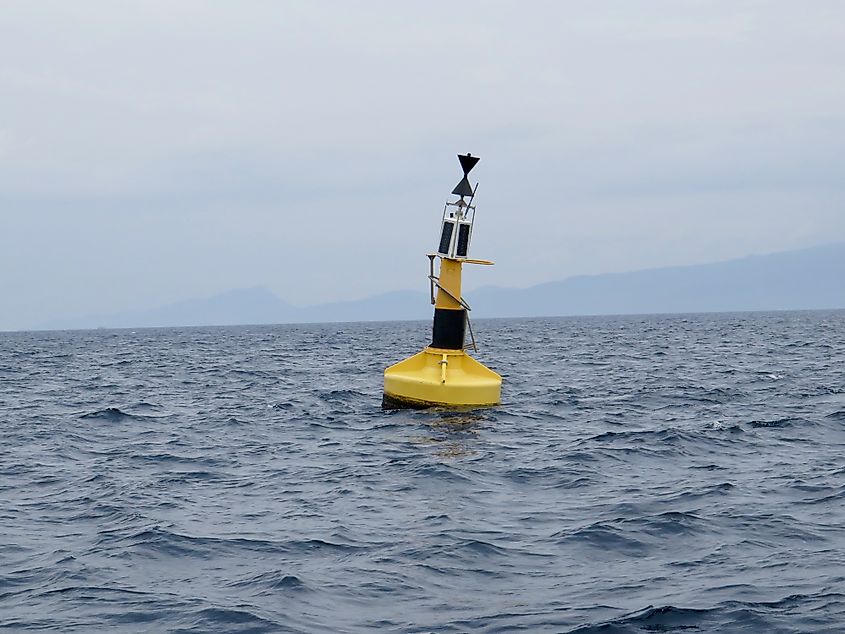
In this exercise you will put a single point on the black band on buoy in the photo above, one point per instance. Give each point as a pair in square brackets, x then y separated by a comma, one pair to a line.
[449, 328]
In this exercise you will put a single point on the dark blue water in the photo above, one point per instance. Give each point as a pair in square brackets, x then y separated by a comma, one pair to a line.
[644, 474]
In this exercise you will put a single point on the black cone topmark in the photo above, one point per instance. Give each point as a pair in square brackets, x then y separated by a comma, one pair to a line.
[468, 161]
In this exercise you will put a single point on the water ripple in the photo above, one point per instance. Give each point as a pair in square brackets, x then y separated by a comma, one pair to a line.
[644, 474]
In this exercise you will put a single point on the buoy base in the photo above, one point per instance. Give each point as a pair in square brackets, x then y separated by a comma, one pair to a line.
[439, 377]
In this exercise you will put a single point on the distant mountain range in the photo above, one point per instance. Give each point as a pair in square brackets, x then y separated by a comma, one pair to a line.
[257, 305]
[790, 280]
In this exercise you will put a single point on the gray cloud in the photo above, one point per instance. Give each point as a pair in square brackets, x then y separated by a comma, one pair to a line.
[157, 150]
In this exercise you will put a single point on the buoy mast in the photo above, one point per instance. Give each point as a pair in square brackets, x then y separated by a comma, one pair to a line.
[443, 374]
[450, 313]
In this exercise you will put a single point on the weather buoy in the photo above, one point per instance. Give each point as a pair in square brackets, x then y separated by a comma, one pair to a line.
[443, 374]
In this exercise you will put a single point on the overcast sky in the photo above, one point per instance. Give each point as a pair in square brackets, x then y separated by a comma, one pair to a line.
[157, 151]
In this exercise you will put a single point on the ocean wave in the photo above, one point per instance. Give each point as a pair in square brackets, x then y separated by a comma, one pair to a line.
[112, 414]
[779, 423]
[202, 480]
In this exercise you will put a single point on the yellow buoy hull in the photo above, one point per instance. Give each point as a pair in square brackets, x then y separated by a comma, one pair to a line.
[441, 377]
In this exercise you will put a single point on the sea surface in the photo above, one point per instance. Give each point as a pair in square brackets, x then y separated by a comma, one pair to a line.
[643, 474]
